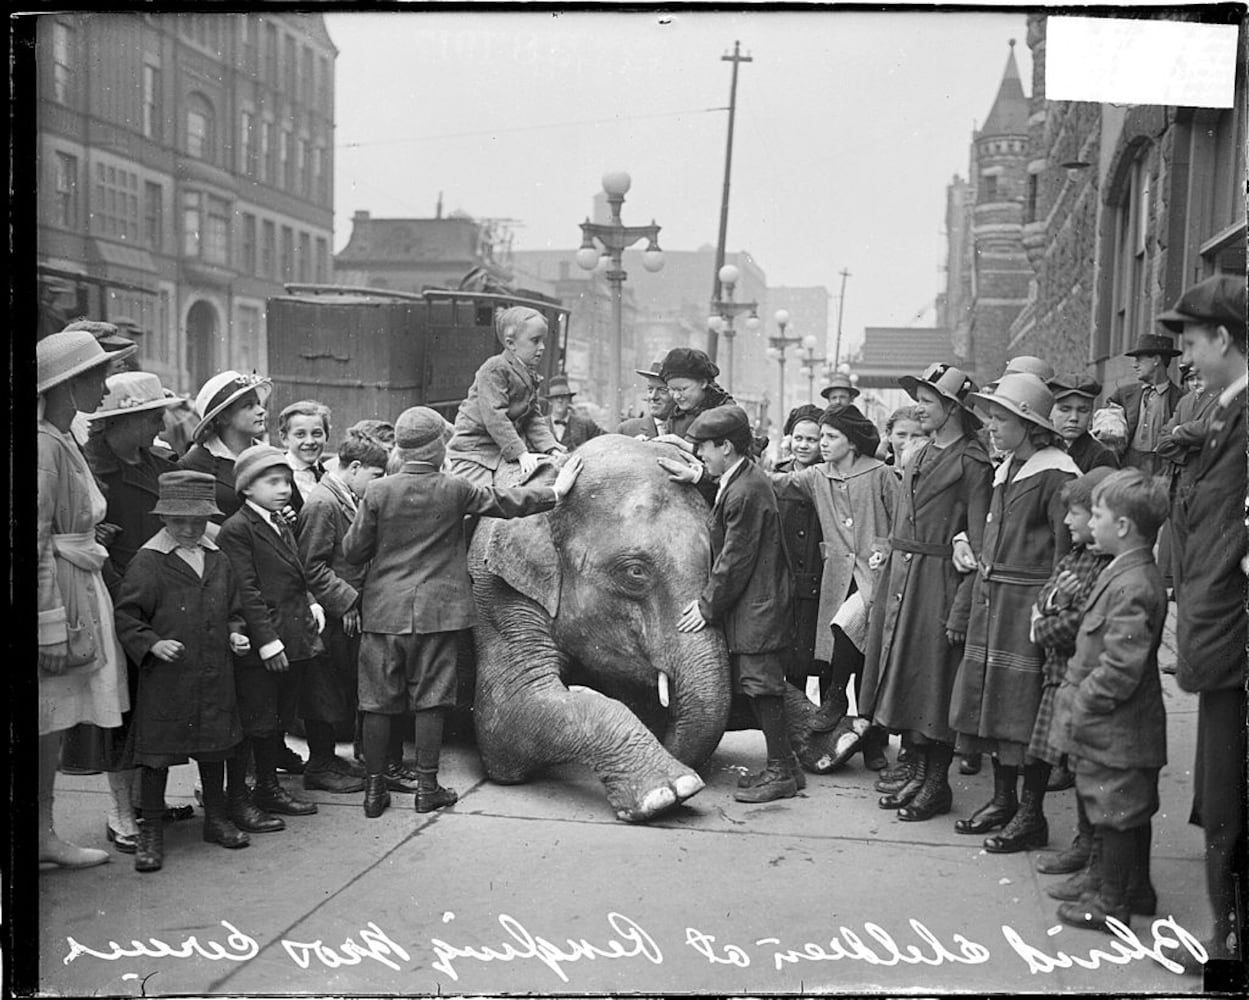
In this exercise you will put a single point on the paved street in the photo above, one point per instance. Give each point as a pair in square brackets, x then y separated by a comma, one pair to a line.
[538, 888]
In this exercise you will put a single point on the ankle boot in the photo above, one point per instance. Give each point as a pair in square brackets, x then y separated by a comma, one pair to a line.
[376, 795]
[273, 798]
[1139, 893]
[893, 778]
[935, 797]
[1109, 900]
[1027, 830]
[873, 748]
[430, 795]
[999, 810]
[773, 782]
[150, 855]
[1084, 881]
[54, 850]
[969, 763]
[895, 800]
[825, 718]
[1073, 859]
[245, 815]
[219, 830]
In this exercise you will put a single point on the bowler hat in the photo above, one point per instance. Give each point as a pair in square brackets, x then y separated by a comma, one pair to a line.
[1219, 300]
[133, 392]
[108, 334]
[62, 356]
[223, 389]
[718, 423]
[1153, 343]
[839, 380]
[946, 381]
[654, 370]
[249, 466]
[860, 431]
[1024, 395]
[184, 493]
[557, 386]
[1074, 384]
[688, 362]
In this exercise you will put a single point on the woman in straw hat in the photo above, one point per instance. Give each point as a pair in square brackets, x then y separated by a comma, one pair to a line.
[919, 622]
[231, 406]
[997, 691]
[81, 667]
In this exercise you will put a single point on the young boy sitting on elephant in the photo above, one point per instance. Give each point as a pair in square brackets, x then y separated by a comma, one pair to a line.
[416, 595]
[749, 591]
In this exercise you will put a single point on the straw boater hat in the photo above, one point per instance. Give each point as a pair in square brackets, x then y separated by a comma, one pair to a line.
[1024, 395]
[558, 386]
[133, 392]
[187, 494]
[222, 390]
[947, 382]
[62, 356]
[255, 460]
[840, 380]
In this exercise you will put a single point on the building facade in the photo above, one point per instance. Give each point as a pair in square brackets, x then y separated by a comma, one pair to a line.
[185, 173]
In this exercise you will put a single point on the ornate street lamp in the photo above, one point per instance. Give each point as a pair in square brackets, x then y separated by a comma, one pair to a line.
[723, 310]
[603, 244]
[811, 364]
[776, 351]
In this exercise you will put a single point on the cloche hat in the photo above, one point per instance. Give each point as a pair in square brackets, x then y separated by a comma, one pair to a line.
[184, 493]
[1024, 395]
[223, 389]
[946, 381]
[62, 356]
[133, 392]
[688, 362]
[255, 460]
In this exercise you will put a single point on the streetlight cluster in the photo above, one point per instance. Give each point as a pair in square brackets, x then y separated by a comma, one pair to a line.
[723, 312]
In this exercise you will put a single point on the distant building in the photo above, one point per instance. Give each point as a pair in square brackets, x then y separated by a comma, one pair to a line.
[888, 353]
[185, 173]
[808, 316]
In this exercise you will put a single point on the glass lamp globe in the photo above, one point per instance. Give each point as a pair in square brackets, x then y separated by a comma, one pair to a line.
[587, 258]
[752, 324]
[782, 318]
[617, 182]
[653, 259]
[715, 323]
[774, 353]
[810, 342]
[729, 275]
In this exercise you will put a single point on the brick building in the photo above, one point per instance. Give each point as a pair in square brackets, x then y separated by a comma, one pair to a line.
[185, 171]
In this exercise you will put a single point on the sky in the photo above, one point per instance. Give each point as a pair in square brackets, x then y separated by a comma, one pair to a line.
[849, 126]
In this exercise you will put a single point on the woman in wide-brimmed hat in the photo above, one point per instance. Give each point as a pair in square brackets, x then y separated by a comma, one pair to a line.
[231, 406]
[998, 687]
[81, 667]
[915, 637]
[691, 379]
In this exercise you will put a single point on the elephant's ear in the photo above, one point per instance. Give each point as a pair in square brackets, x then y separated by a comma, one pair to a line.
[522, 553]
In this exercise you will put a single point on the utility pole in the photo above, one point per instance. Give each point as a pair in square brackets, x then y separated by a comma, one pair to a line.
[841, 304]
[735, 59]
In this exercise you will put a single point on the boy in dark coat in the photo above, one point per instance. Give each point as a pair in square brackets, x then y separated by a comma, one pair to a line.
[749, 591]
[1108, 714]
[179, 616]
[417, 596]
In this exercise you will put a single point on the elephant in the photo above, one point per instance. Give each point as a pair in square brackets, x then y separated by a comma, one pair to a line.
[577, 656]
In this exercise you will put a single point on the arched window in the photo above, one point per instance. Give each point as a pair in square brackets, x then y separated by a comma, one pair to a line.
[1130, 316]
[200, 131]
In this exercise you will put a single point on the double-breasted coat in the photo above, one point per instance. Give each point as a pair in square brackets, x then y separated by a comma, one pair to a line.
[189, 707]
[998, 686]
[910, 665]
[1109, 706]
[748, 591]
[800, 532]
[855, 511]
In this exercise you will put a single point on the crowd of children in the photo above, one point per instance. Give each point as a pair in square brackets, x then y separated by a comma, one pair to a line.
[984, 575]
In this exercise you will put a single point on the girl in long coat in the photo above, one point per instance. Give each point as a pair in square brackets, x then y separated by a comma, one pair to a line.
[997, 691]
[919, 620]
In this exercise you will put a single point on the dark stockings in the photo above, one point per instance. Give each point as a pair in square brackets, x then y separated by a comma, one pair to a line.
[428, 739]
[152, 782]
[320, 739]
[376, 733]
[770, 711]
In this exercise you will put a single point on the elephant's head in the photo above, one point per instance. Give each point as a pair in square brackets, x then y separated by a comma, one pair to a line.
[613, 566]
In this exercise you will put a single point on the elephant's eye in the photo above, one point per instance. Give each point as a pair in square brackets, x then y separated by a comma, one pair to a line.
[634, 573]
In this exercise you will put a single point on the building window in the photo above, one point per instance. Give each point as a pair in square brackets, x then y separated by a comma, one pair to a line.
[154, 215]
[302, 166]
[199, 128]
[323, 87]
[66, 191]
[305, 75]
[62, 63]
[249, 243]
[318, 173]
[191, 223]
[115, 207]
[323, 261]
[288, 254]
[248, 339]
[151, 101]
[266, 152]
[990, 187]
[286, 155]
[268, 250]
[247, 143]
[288, 67]
[247, 35]
[217, 232]
[305, 256]
[1130, 308]
[271, 54]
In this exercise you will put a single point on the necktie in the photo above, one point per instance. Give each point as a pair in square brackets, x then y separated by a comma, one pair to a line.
[283, 529]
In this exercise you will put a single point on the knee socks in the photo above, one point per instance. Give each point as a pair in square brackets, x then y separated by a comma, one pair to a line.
[376, 736]
[428, 739]
[211, 779]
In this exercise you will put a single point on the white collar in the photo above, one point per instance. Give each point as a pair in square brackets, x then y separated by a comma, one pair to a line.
[164, 542]
[217, 448]
[266, 514]
[1042, 460]
[728, 474]
[1231, 392]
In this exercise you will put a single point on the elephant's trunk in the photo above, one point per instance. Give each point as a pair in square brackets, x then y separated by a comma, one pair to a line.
[699, 695]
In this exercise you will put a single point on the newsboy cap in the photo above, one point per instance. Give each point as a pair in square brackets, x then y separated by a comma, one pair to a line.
[688, 362]
[254, 461]
[1074, 384]
[418, 426]
[719, 423]
[184, 493]
[1219, 300]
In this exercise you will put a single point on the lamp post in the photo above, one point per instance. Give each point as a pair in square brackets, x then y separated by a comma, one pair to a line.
[723, 310]
[776, 351]
[608, 241]
[811, 364]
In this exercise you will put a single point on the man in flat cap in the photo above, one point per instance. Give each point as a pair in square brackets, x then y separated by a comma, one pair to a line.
[1149, 402]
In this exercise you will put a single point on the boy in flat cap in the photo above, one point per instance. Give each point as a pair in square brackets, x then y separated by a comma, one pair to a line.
[749, 591]
[1211, 629]
[416, 595]
[1072, 413]
[1149, 402]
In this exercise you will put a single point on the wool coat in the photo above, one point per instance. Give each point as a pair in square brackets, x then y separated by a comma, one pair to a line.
[212, 457]
[910, 664]
[577, 431]
[499, 419]
[410, 530]
[748, 592]
[800, 533]
[1089, 453]
[1109, 706]
[855, 510]
[1129, 397]
[131, 491]
[997, 690]
[1183, 438]
[320, 529]
[189, 706]
[714, 396]
[1211, 630]
[645, 426]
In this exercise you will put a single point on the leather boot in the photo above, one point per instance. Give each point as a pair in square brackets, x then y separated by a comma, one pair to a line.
[999, 810]
[1110, 899]
[244, 814]
[430, 795]
[1074, 858]
[825, 718]
[376, 795]
[150, 855]
[773, 782]
[1061, 778]
[1139, 893]
[273, 798]
[936, 797]
[1085, 881]
[1027, 830]
[400, 778]
[219, 830]
[873, 748]
[969, 763]
[893, 778]
[896, 800]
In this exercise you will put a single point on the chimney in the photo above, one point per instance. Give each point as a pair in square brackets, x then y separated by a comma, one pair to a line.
[438, 210]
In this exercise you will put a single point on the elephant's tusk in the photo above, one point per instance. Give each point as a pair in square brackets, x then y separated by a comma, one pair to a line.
[663, 689]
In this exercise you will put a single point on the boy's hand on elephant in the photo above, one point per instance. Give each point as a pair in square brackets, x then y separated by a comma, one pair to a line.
[529, 462]
[567, 476]
[691, 619]
[686, 469]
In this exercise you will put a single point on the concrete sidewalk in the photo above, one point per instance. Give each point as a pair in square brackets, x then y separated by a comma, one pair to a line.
[537, 888]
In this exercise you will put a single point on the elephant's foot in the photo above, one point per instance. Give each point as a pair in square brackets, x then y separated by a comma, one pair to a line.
[650, 803]
[827, 752]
